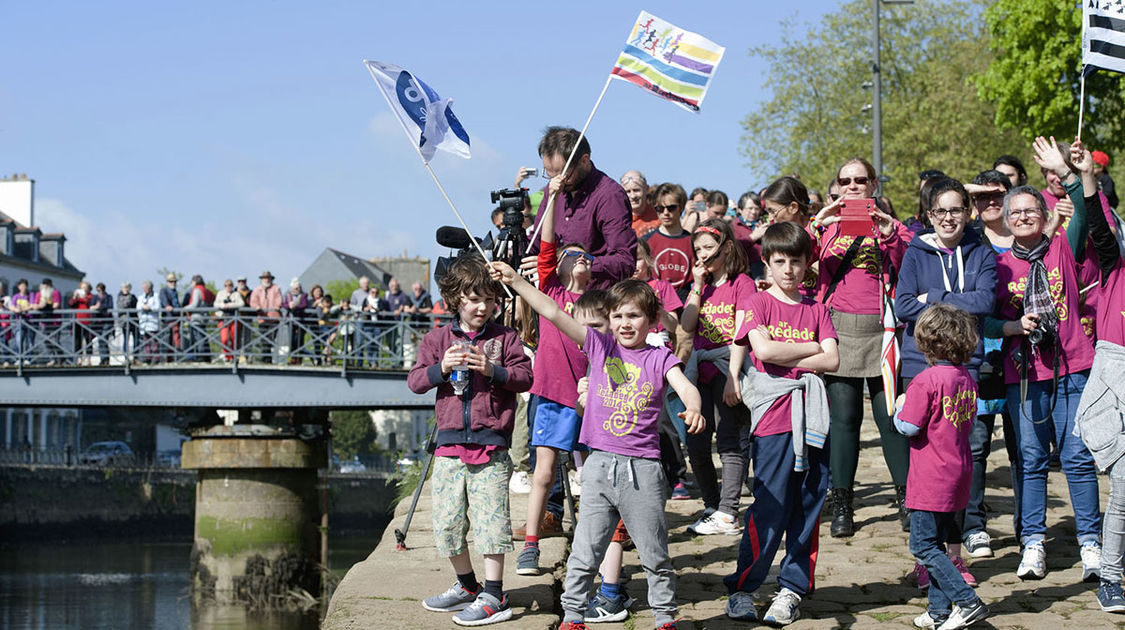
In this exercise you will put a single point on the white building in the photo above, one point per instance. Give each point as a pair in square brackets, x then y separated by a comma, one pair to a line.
[25, 250]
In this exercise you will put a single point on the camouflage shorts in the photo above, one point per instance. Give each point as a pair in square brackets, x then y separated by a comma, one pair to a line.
[472, 493]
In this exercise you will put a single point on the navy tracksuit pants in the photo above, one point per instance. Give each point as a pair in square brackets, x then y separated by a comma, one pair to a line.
[786, 503]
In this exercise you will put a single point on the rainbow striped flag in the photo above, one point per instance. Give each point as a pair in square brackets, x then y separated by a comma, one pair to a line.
[668, 61]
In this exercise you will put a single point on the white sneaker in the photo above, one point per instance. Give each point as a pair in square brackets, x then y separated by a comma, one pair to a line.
[520, 482]
[716, 523]
[979, 545]
[1033, 565]
[575, 478]
[1091, 553]
[784, 609]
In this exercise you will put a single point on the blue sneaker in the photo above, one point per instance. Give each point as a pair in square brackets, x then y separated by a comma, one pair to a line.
[456, 598]
[602, 609]
[680, 492]
[485, 610]
[740, 606]
[1110, 597]
[527, 563]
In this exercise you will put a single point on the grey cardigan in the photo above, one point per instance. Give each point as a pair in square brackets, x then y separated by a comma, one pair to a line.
[1100, 420]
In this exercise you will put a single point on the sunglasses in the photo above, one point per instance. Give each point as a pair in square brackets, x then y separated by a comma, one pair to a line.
[671, 208]
[577, 254]
[846, 181]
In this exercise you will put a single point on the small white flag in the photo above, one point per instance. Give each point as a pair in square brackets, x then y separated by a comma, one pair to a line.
[425, 117]
[1103, 34]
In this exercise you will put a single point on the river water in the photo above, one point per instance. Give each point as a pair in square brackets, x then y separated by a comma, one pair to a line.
[131, 585]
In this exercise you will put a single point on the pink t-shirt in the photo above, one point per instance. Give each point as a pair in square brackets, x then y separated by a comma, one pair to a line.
[559, 363]
[858, 289]
[669, 301]
[718, 306]
[1111, 318]
[673, 257]
[789, 323]
[1062, 275]
[942, 400]
[626, 395]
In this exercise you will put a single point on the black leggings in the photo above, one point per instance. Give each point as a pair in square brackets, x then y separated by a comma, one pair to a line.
[732, 441]
[845, 407]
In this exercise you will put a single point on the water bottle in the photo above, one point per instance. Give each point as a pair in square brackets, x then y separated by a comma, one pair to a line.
[460, 376]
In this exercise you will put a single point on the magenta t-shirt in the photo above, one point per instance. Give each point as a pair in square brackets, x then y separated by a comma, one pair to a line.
[1111, 317]
[669, 301]
[672, 256]
[942, 400]
[559, 363]
[789, 323]
[858, 289]
[717, 308]
[1062, 275]
[625, 396]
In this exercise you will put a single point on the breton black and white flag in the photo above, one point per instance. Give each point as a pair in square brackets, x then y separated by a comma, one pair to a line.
[1103, 34]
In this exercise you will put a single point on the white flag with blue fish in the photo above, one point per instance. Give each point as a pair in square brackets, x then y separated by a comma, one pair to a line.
[425, 117]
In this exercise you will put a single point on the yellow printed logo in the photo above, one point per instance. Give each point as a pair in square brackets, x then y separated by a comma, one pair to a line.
[624, 395]
[783, 331]
[960, 407]
[1054, 279]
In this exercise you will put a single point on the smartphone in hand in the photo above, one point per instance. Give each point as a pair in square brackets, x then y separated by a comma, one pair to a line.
[855, 217]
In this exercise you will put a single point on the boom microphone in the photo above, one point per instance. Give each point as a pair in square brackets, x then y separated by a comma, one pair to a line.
[453, 237]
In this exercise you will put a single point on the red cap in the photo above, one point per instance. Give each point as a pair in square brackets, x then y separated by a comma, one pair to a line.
[1100, 158]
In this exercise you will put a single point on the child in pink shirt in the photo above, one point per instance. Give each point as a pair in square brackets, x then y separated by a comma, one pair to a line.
[937, 413]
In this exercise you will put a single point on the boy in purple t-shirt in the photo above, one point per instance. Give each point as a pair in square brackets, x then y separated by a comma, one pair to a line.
[792, 338]
[937, 413]
[622, 477]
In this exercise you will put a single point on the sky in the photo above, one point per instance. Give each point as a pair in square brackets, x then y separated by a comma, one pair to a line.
[230, 138]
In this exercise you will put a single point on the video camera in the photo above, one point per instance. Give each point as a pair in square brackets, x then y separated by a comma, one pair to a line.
[511, 242]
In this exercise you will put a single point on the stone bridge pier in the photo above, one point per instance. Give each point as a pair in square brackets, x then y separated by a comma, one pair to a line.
[257, 511]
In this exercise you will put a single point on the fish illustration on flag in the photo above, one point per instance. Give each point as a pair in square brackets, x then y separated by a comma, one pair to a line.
[672, 63]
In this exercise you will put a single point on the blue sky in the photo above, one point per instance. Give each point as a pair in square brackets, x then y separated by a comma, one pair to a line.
[227, 138]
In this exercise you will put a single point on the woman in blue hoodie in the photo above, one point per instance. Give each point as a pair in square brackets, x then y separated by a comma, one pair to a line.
[945, 264]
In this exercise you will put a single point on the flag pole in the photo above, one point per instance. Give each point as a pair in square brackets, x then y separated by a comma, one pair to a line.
[413, 143]
[581, 135]
[1081, 102]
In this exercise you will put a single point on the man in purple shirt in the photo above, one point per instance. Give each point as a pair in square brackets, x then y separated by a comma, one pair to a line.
[592, 210]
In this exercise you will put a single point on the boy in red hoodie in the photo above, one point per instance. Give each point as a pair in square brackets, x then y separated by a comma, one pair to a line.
[471, 463]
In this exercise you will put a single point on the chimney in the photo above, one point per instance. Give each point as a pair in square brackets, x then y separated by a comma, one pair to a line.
[17, 199]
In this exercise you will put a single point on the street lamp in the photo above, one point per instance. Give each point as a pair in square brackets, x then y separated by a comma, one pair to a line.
[877, 97]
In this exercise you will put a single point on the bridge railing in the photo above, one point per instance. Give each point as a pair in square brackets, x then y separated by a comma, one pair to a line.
[67, 337]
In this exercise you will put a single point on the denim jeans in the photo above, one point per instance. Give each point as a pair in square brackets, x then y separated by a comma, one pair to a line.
[1113, 530]
[1034, 440]
[928, 530]
[980, 444]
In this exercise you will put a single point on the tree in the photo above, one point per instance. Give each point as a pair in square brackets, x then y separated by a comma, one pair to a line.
[353, 433]
[341, 289]
[933, 117]
[1034, 76]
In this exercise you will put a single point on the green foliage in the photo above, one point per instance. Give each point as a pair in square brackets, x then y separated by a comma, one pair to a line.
[340, 289]
[933, 117]
[1034, 76]
[353, 433]
[162, 273]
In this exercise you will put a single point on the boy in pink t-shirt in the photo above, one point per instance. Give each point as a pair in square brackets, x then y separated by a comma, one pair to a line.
[937, 413]
[792, 337]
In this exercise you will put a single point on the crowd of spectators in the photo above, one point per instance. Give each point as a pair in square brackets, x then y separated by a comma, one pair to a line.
[236, 323]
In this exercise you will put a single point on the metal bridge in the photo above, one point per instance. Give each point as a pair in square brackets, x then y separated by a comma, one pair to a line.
[208, 358]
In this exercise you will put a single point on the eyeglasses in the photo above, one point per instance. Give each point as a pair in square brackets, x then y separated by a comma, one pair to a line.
[572, 253]
[941, 213]
[1019, 212]
[671, 208]
[846, 181]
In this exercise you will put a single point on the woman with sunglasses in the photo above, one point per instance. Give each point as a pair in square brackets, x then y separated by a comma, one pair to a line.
[944, 264]
[852, 275]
